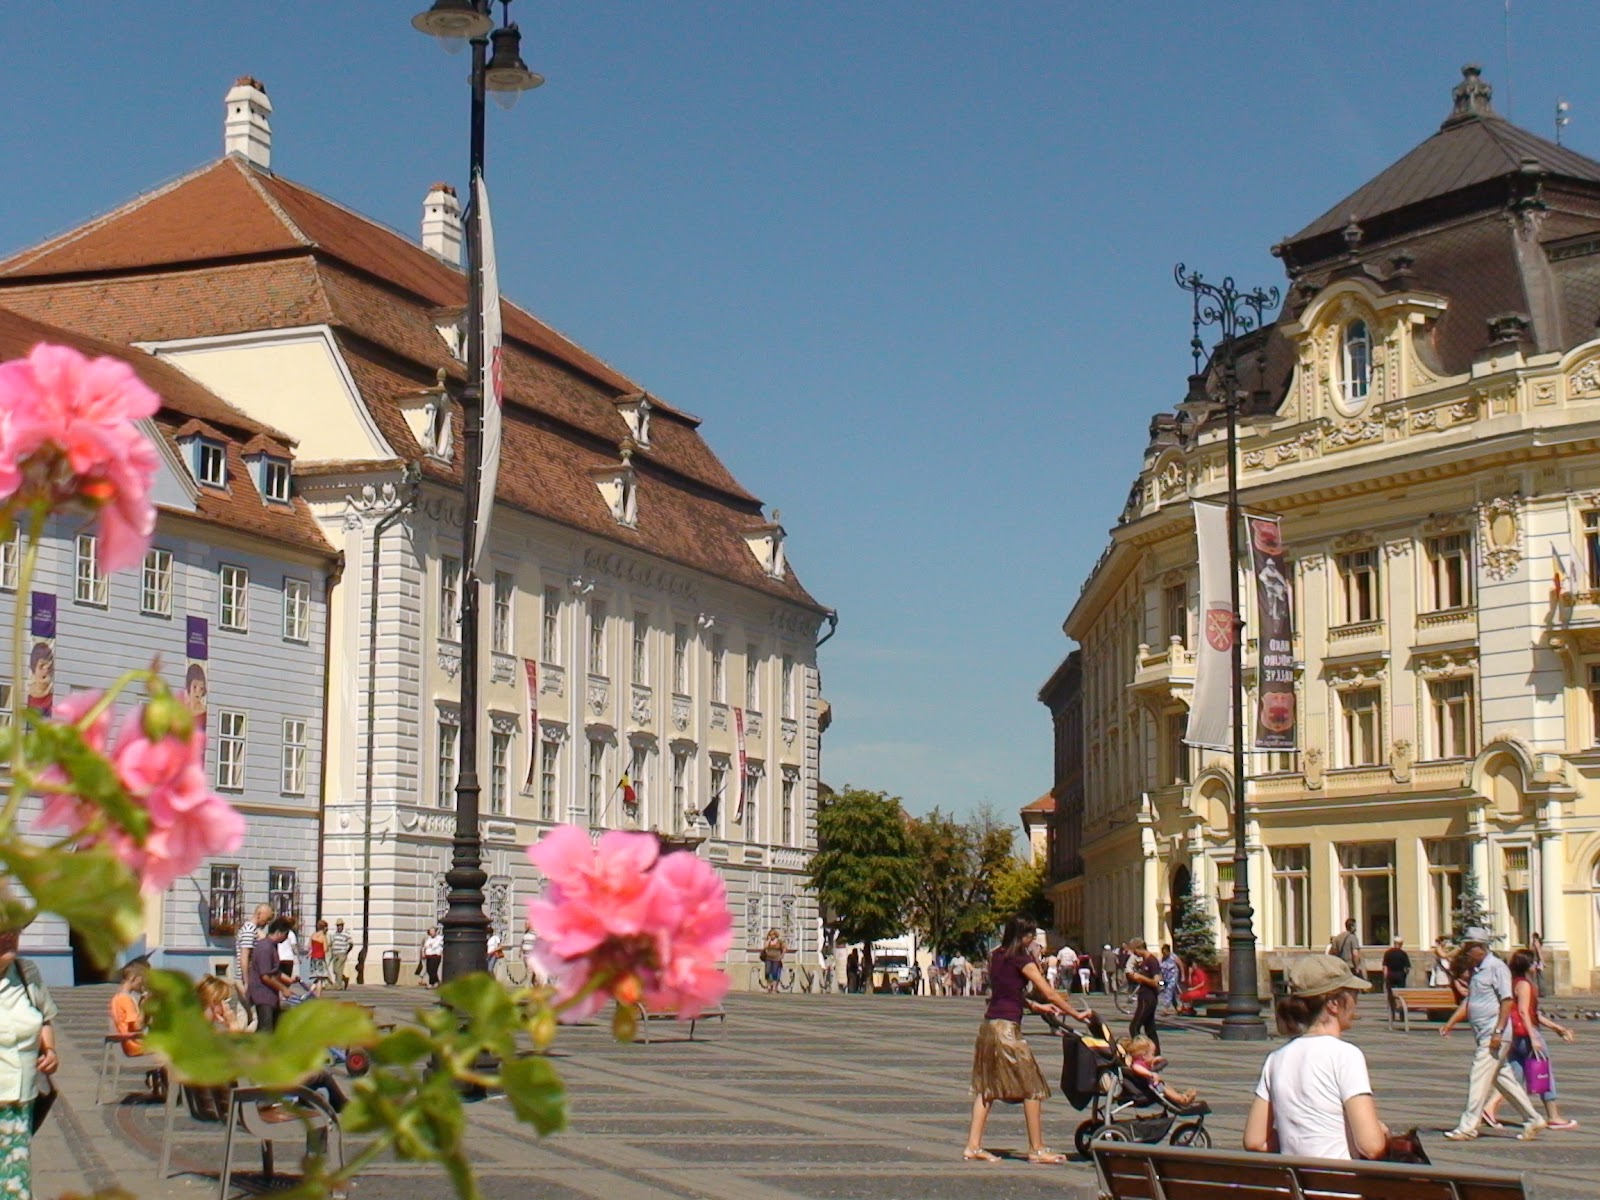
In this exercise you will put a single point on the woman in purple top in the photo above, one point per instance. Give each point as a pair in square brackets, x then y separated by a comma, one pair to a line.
[1003, 1067]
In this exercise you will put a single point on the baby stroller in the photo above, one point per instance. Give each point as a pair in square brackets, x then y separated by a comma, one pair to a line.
[1122, 1106]
[354, 1059]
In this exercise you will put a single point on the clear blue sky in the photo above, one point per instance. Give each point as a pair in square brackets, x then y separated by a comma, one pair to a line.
[911, 262]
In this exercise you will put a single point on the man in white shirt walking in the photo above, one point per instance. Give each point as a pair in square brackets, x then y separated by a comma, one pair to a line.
[338, 952]
[1488, 1007]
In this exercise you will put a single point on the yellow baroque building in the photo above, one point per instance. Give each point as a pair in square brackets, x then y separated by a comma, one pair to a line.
[1424, 413]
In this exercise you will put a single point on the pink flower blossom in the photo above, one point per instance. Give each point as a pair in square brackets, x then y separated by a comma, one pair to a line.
[68, 432]
[644, 924]
[165, 776]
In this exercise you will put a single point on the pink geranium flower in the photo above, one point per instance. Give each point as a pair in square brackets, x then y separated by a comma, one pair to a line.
[641, 924]
[165, 776]
[68, 433]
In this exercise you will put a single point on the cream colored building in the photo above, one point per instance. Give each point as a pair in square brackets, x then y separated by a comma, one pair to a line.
[639, 614]
[1427, 422]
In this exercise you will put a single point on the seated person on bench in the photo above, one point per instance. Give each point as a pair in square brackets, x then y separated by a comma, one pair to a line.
[1140, 1055]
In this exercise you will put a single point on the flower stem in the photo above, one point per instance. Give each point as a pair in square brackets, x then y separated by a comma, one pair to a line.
[19, 687]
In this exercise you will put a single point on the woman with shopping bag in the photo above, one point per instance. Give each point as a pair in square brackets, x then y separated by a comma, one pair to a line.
[1529, 1051]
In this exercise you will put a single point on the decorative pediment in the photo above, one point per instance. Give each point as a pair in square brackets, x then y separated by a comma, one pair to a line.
[1585, 380]
[1459, 663]
[1348, 676]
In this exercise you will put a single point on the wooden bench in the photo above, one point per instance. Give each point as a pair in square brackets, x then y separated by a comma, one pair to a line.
[717, 1013]
[1405, 1001]
[1133, 1171]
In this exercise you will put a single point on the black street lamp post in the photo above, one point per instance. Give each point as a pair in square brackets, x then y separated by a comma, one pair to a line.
[466, 927]
[1234, 313]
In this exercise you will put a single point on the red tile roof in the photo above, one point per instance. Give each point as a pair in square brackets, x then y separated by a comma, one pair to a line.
[1044, 804]
[187, 406]
[233, 249]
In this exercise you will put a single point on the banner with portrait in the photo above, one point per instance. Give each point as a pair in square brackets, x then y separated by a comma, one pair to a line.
[196, 684]
[1275, 696]
[41, 689]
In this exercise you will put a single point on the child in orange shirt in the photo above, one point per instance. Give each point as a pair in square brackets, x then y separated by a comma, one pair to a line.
[127, 1015]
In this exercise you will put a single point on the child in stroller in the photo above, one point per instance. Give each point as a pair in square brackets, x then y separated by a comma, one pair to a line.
[1139, 1053]
[1123, 1104]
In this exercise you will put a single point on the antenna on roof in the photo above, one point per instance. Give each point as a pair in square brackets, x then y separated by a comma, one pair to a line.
[1562, 120]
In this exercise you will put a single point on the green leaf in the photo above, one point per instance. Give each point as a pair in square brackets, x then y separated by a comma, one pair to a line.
[536, 1093]
[179, 1030]
[405, 1045]
[93, 778]
[299, 1046]
[91, 889]
[492, 1020]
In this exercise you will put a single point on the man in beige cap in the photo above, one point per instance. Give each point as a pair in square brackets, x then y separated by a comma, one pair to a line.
[1488, 1007]
[1315, 1096]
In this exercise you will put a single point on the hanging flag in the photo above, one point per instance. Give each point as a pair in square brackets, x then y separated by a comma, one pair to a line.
[1275, 699]
[630, 798]
[1210, 713]
[196, 686]
[709, 812]
[1560, 578]
[530, 672]
[744, 777]
[491, 381]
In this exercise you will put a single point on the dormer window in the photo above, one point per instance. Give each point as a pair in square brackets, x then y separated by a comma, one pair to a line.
[210, 463]
[766, 543]
[619, 487]
[635, 410]
[1356, 374]
[275, 479]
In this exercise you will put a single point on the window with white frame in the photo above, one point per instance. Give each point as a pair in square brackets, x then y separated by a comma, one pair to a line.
[597, 637]
[275, 479]
[91, 586]
[1356, 375]
[210, 463]
[786, 812]
[1175, 614]
[1447, 866]
[11, 562]
[1366, 881]
[505, 588]
[549, 776]
[499, 772]
[447, 761]
[1291, 891]
[597, 779]
[231, 752]
[450, 598]
[680, 658]
[752, 802]
[233, 609]
[1360, 713]
[1358, 586]
[550, 631]
[787, 699]
[155, 583]
[719, 791]
[1519, 894]
[752, 678]
[641, 647]
[1591, 548]
[283, 891]
[296, 609]
[638, 776]
[680, 781]
[719, 669]
[1449, 572]
[294, 758]
[1454, 724]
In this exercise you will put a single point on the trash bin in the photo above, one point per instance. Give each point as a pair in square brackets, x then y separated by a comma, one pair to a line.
[391, 968]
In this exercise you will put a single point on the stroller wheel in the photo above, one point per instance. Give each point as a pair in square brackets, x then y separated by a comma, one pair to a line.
[356, 1063]
[1092, 1129]
[1191, 1135]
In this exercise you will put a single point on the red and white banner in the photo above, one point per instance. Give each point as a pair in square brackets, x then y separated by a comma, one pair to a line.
[744, 764]
[1275, 699]
[530, 670]
[1210, 710]
[491, 383]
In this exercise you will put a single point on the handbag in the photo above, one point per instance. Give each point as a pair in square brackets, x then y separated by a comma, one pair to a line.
[43, 1101]
[1536, 1072]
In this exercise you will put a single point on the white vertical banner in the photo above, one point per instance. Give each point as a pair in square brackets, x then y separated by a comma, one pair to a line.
[1210, 707]
[744, 764]
[490, 386]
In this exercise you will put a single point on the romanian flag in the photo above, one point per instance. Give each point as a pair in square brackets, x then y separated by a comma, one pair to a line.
[629, 796]
[1560, 580]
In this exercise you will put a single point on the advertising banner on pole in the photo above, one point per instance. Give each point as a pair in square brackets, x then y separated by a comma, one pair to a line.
[196, 687]
[1275, 700]
[41, 689]
[530, 673]
[1210, 715]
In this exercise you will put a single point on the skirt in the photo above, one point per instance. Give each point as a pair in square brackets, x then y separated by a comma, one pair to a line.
[1003, 1066]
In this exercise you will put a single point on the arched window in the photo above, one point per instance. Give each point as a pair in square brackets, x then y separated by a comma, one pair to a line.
[1357, 361]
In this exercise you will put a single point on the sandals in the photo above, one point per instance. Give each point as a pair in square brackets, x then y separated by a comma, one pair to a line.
[978, 1154]
[1046, 1157]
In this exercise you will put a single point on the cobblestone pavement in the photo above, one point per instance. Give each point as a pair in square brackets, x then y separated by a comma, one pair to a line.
[803, 1096]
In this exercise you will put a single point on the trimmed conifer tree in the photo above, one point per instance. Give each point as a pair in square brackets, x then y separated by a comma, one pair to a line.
[1194, 936]
[1471, 908]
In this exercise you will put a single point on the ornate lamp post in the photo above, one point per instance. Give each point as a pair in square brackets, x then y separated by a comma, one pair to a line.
[466, 928]
[1234, 313]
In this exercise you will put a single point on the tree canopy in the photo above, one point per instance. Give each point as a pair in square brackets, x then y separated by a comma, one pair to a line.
[953, 905]
[864, 870]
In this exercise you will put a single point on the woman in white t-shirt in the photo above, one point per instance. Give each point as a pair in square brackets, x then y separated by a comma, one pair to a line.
[1315, 1099]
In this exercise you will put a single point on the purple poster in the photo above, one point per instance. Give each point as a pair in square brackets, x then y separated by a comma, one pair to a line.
[42, 655]
[195, 683]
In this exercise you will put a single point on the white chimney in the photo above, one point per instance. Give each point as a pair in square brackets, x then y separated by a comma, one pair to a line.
[245, 131]
[441, 223]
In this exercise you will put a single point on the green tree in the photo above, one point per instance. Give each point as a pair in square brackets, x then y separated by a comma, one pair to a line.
[1470, 909]
[1194, 936]
[864, 870]
[952, 906]
[1019, 891]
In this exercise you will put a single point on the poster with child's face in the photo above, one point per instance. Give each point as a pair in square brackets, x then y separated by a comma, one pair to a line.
[195, 684]
[41, 687]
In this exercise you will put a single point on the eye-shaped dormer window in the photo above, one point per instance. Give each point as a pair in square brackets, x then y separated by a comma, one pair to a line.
[1356, 375]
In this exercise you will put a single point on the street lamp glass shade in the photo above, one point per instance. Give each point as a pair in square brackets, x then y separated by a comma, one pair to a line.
[507, 76]
[452, 20]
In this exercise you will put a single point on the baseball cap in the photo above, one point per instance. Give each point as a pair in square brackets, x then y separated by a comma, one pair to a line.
[1319, 974]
